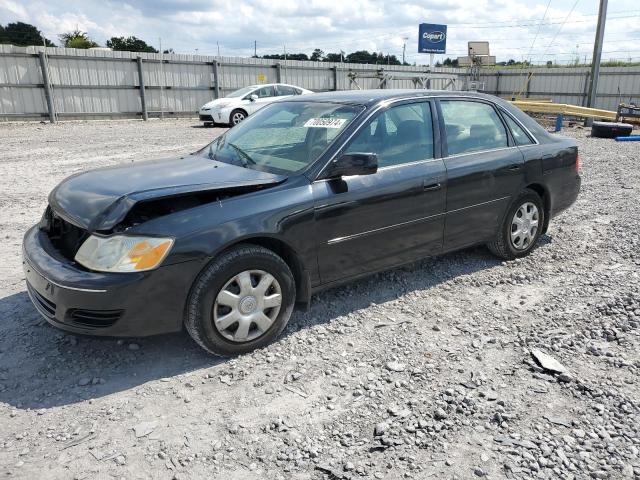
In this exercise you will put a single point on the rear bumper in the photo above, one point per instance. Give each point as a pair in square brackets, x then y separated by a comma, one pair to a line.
[111, 304]
[567, 196]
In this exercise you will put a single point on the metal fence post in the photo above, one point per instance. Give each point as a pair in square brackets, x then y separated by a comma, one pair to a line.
[498, 83]
[216, 79]
[47, 87]
[335, 77]
[143, 100]
[586, 87]
[278, 73]
[528, 92]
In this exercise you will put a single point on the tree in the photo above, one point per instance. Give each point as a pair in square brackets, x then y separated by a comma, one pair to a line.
[130, 44]
[333, 57]
[317, 55]
[288, 56]
[22, 35]
[77, 39]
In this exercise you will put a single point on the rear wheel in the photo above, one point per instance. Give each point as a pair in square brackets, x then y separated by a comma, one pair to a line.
[237, 116]
[241, 301]
[521, 228]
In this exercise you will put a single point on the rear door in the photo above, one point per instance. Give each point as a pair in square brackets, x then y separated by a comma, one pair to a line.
[485, 169]
[285, 91]
[371, 222]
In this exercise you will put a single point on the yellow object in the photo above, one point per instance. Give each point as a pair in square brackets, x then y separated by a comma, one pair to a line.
[262, 77]
[145, 256]
[563, 108]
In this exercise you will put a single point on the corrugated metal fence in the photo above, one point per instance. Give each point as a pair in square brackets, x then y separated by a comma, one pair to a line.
[95, 83]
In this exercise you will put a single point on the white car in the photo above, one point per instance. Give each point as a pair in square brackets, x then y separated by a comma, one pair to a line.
[238, 105]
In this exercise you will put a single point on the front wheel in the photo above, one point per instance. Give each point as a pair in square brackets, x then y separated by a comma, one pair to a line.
[241, 301]
[521, 228]
[237, 116]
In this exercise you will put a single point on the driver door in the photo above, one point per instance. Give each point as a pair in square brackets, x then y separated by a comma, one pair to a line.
[265, 96]
[371, 222]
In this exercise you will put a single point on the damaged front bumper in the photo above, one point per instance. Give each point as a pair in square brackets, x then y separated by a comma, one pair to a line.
[112, 304]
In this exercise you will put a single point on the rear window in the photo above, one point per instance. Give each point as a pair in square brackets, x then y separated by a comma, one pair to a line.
[519, 135]
[472, 127]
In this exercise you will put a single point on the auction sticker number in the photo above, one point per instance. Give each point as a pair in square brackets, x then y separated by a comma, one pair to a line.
[325, 122]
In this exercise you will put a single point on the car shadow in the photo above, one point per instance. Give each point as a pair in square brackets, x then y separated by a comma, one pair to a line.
[43, 367]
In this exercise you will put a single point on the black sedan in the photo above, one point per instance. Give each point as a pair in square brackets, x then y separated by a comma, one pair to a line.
[305, 194]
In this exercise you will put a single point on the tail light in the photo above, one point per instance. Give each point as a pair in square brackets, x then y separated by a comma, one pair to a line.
[577, 165]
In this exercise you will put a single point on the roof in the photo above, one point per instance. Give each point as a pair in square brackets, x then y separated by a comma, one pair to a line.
[370, 97]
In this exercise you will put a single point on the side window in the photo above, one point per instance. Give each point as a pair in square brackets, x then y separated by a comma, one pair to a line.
[398, 135]
[264, 92]
[519, 135]
[284, 90]
[472, 127]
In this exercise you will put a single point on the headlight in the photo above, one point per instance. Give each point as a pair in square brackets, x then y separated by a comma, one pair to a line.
[121, 253]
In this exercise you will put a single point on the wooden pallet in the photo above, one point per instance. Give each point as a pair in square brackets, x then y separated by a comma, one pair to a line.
[564, 109]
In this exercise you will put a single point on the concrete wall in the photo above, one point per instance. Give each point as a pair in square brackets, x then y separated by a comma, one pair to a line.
[98, 84]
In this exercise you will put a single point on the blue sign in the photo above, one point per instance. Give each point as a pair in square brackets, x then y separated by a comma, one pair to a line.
[432, 38]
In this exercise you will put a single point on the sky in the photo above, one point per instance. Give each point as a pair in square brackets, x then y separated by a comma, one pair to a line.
[514, 28]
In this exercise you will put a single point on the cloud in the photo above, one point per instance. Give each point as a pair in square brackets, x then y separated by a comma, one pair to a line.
[333, 25]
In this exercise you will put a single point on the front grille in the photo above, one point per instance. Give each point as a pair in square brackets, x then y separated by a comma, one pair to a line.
[44, 306]
[206, 118]
[94, 318]
[64, 236]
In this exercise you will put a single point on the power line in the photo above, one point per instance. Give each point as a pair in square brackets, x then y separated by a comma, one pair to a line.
[539, 27]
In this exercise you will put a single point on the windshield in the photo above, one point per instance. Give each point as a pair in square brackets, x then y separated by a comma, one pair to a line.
[241, 92]
[283, 137]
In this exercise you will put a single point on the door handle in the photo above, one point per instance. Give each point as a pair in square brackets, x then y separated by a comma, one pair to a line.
[431, 186]
[514, 168]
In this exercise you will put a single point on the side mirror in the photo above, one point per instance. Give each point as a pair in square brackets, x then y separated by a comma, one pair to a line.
[253, 97]
[352, 164]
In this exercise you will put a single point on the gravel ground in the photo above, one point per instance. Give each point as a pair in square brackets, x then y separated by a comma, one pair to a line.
[422, 372]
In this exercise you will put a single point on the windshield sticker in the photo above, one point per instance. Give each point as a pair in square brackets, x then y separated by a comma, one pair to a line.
[325, 122]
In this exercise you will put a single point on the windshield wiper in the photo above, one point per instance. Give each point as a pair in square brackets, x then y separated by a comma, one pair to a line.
[244, 156]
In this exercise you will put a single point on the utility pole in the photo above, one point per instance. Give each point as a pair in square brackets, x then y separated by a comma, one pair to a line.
[218, 45]
[255, 48]
[597, 55]
[404, 47]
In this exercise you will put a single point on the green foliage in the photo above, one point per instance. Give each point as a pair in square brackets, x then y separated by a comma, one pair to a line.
[333, 57]
[289, 56]
[317, 55]
[450, 63]
[130, 44]
[361, 56]
[23, 35]
[77, 39]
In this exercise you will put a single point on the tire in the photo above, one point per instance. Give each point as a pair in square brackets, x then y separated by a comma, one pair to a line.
[237, 116]
[508, 244]
[611, 129]
[219, 285]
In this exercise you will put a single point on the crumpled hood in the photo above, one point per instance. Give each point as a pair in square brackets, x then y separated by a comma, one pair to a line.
[99, 199]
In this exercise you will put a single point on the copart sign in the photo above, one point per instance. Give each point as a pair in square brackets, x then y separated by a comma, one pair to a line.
[432, 38]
